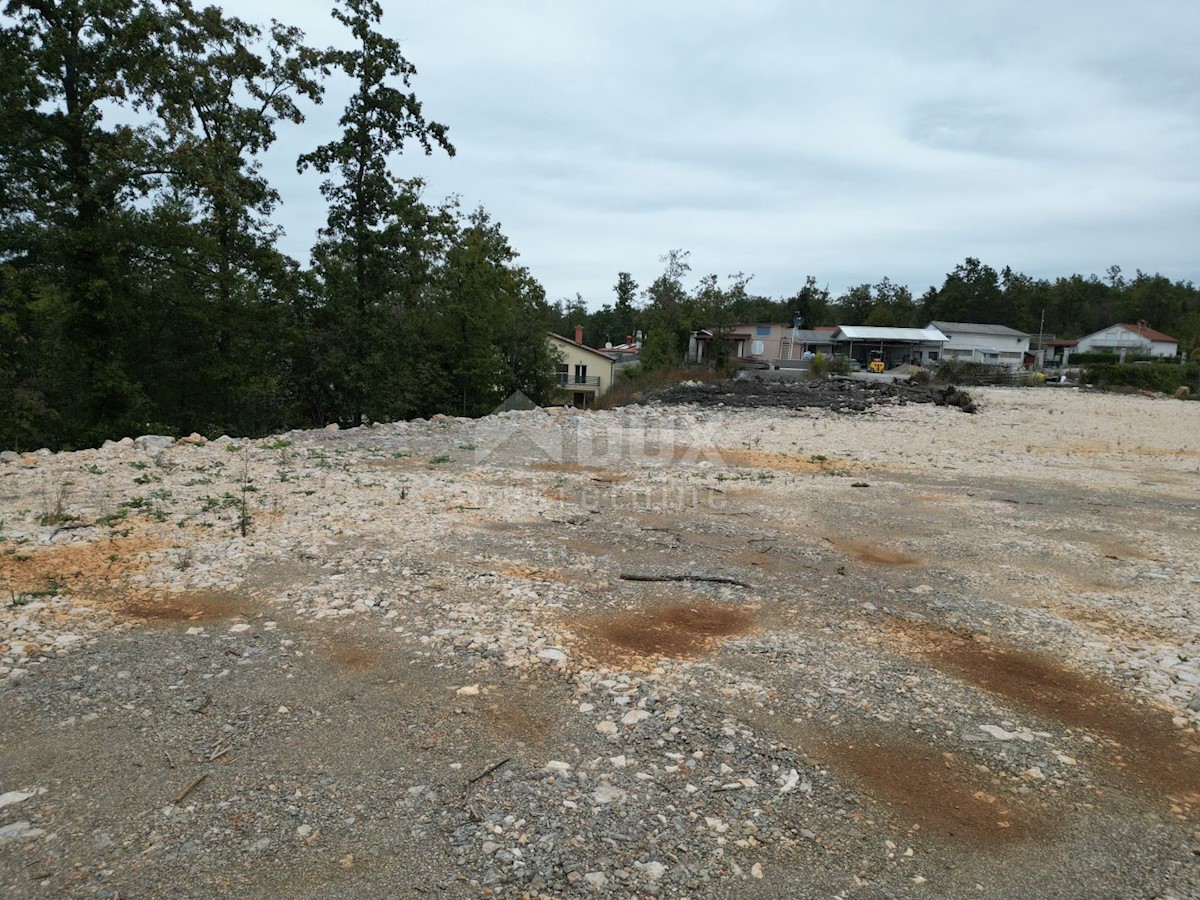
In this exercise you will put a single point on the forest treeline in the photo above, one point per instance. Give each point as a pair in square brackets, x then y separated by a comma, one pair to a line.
[675, 304]
[143, 289]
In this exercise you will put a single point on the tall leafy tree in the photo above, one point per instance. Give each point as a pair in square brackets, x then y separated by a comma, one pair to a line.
[811, 302]
[669, 313]
[625, 311]
[493, 321]
[378, 359]
[854, 306]
[971, 293]
[71, 185]
[223, 84]
[893, 306]
[382, 118]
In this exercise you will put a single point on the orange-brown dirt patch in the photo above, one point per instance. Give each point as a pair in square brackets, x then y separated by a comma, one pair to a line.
[673, 630]
[187, 606]
[350, 657]
[521, 714]
[1097, 447]
[533, 573]
[86, 569]
[783, 462]
[1150, 752]
[574, 468]
[937, 791]
[877, 556]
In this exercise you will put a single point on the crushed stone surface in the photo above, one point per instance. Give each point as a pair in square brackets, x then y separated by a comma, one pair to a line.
[898, 651]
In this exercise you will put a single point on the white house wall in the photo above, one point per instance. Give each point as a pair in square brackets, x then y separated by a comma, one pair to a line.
[1010, 350]
[597, 366]
[1117, 340]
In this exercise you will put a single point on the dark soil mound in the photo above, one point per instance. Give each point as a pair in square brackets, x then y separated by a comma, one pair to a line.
[838, 394]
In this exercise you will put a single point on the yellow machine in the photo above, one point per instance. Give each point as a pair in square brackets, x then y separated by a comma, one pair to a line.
[876, 364]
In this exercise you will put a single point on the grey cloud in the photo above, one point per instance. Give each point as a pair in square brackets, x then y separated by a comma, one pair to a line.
[847, 140]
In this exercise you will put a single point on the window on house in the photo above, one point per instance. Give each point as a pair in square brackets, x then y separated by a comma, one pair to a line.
[581, 374]
[756, 347]
[762, 330]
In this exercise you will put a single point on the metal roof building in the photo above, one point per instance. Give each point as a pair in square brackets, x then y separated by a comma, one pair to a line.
[951, 328]
[901, 335]
[897, 345]
[995, 345]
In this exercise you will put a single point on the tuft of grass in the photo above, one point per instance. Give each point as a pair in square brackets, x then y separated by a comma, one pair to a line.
[53, 588]
[113, 518]
[441, 458]
[54, 506]
[244, 518]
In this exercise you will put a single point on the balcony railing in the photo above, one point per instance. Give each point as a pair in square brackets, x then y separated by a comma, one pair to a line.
[578, 381]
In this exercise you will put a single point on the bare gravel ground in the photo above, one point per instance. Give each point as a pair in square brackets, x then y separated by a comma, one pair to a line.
[945, 655]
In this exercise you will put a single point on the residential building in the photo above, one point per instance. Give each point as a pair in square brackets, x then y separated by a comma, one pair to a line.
[625, 355]
[1129, 341]
[584, 373]
[1056, 352]
[764, 342]
[995, 345]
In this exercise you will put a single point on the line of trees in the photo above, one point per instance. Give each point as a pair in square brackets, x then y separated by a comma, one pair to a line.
[142, 288]
[669, 310]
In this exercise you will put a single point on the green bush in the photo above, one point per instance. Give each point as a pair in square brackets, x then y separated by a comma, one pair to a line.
[960, 370]
[839, 365]
[820, 364]
[1164, 377]
[1100, 357]
[1106, 358]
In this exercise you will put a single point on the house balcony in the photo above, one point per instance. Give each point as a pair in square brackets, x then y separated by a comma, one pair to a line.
[579, 382]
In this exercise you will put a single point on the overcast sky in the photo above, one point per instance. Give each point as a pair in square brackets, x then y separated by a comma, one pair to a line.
[846, 139]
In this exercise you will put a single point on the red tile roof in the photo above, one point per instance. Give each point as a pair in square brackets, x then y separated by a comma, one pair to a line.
[1149, 333]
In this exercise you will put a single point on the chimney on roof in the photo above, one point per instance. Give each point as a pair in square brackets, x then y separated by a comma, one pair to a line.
[579, 334]
[629, 339]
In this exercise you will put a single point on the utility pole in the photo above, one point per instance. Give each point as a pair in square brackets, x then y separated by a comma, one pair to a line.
[1041, 357]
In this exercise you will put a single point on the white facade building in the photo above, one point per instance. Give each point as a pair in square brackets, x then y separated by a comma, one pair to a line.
[1129, 340]
[995, 345]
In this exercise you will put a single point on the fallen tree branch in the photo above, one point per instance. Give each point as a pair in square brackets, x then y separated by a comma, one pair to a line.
[712, 579]
[191, 786]
[74, 526]
[489, 770]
